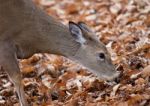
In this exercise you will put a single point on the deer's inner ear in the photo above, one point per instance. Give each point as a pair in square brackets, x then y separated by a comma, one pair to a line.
[84, 27]
[76, 32]
[89, 33]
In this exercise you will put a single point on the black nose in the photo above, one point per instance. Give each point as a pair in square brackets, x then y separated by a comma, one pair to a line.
[118, 78]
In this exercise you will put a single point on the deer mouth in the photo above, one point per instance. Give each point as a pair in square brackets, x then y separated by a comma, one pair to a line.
[112, 77]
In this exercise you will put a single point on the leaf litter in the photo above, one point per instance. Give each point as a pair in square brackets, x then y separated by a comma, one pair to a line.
[123, 26]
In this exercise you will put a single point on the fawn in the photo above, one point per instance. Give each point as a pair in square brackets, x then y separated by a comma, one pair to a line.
[25, 29]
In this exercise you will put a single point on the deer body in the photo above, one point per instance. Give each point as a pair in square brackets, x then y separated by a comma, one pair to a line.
[26, 23]
[25, 30]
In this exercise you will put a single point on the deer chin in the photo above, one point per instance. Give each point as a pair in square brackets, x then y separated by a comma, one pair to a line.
[110, 78]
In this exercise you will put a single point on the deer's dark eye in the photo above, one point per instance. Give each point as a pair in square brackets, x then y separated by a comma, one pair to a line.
[101, 56]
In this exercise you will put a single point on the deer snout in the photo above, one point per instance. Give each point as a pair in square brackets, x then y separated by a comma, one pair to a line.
[108, 73]
[112, 77]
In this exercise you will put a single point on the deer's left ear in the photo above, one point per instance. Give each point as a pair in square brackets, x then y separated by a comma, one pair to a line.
[88, 32]
[76, 33]
[84, 27]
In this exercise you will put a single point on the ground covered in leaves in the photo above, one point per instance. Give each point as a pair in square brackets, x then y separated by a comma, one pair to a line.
[123, 26]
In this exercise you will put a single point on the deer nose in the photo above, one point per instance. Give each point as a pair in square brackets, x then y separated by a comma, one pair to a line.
[114, 76]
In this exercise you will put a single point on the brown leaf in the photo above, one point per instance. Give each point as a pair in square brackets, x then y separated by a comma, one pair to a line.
[146, 71]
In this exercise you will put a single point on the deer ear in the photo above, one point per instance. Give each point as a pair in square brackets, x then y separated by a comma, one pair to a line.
[85, 27]
[76, 32]
[89, 33]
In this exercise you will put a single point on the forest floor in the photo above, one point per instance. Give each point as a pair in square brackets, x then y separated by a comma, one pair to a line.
[123, 26]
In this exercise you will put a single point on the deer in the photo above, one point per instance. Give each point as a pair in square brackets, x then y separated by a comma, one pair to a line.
[25, 29]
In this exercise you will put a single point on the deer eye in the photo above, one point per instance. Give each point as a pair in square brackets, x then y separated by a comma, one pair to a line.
[101, 56]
